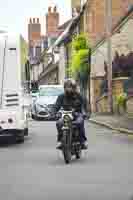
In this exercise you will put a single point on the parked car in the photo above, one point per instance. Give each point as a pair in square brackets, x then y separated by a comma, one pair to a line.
[34, 95]
[43, 106]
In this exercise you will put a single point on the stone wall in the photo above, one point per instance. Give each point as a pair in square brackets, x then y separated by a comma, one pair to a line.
[122, 42]
[130, 106]
[95, 16]
[118, 88]
[102, 104]
[118, 85]
[95, 91]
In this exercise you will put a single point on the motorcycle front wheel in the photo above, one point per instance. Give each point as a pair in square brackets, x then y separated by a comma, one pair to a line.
[78, 155]
[66, 147]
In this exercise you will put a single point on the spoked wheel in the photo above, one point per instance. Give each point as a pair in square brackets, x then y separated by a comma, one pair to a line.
[66, 148]
[67, 156]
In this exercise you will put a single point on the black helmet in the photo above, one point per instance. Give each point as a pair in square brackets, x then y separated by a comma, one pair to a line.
[70, 83]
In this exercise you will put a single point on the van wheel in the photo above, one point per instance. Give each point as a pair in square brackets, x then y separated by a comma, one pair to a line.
[26, 131]
[32, 116]
[20, 139]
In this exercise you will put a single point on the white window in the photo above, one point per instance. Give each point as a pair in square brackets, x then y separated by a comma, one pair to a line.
[83, 2]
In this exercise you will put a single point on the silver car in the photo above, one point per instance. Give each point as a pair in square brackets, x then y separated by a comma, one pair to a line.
[34, 95]
[43, 106]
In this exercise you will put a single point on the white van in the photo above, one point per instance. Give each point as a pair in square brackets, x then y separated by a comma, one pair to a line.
[13, 113]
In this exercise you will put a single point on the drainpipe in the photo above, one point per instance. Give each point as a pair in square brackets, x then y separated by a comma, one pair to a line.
[3, 71]
[108, 21]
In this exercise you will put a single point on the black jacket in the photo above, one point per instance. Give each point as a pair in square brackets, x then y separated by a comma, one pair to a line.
[69, 102]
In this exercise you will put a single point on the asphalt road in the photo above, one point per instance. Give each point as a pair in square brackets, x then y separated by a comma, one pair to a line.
[36, 171]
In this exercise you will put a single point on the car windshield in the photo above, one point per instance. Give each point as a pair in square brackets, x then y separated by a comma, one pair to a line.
[34, 91]
[50, 91]
[34, 94]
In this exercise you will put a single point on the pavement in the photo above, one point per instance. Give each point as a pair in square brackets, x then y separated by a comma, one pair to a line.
[35, 170]
[123, 124]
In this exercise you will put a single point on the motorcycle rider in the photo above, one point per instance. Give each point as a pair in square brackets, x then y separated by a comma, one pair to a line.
[71, 99]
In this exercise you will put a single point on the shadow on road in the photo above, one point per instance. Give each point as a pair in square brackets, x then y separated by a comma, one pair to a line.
[43, 120]
[10, 142]
[86, 159]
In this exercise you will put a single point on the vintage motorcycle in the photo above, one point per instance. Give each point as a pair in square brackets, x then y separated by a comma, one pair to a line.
[70, 136]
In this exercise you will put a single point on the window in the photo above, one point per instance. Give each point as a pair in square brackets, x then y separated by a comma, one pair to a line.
[38, 51]
[12, 49]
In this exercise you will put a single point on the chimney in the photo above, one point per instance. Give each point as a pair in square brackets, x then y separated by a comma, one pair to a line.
[78, 9]
[55, 9]
[49, 9]
[30, 21]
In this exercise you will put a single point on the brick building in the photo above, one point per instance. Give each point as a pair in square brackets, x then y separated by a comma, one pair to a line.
[75, 5]
[52, 21]
[37, 42]
[34, 30]
[52, 24]
[93, 23]
[34, 37]
[94, 17]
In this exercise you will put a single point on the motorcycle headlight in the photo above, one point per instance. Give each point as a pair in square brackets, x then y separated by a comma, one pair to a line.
[66, 118]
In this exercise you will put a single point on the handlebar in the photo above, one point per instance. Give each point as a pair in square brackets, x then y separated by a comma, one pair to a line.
[71, 112]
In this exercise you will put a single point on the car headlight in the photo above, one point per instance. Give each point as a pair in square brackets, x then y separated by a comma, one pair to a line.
[41, 106]
[66, 118]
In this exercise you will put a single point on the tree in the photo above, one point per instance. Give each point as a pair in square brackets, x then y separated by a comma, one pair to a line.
[80, 49]
[27, 74]
[79, 62]
[80, 66]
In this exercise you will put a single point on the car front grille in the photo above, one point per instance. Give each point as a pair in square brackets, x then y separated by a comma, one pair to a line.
[51, 107]
[43, 113]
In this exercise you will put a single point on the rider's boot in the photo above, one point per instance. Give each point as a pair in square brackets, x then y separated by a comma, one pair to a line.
[85, 145]
[59, 144]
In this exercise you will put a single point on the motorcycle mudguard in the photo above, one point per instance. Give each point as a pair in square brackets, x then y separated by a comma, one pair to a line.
[65, 128]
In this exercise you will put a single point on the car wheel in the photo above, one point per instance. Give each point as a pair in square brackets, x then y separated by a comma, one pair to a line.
[34, 117]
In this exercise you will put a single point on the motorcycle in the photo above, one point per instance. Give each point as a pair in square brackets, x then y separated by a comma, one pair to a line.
[70, 136]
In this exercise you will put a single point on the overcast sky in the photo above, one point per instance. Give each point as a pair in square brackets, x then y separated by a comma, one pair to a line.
[14, 14]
